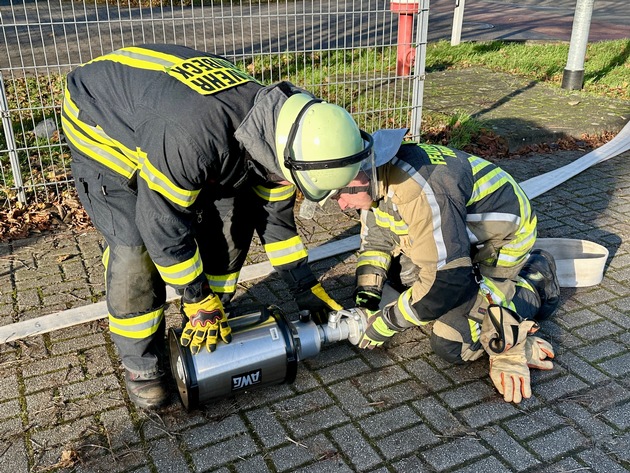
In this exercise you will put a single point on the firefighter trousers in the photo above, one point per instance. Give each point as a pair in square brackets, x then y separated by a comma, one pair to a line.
[455, 334]
[135, 291]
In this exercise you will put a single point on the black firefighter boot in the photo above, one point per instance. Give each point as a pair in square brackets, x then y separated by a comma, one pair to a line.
[540, 271]
[147, 392]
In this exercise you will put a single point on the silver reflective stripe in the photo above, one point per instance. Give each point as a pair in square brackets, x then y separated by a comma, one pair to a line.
[495, 217]
[95, 143]
[404, 307]
[222, 284]
[374, 258]
[274, 194]
[438, 237]
[286, 251]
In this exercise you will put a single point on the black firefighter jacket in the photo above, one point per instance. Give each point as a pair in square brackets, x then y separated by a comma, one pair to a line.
[178, 120]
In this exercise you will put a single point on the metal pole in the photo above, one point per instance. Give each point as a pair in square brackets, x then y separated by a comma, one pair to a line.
[419, 68]
[11, 146]
[458, 21]
[573, 76]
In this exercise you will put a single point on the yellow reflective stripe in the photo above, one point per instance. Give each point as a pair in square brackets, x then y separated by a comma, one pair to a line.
[385, 220]
[94, 143]
[182, 274]
[382, 329]
[107, 157]
[322, 295]
[157, 181]
[286, 251]
[475, 330]
[524, 283]
[274, 194]
[140, 58]
[518, 249]
[404, 307]
[477, 164]
[105, 261]
[96, 133]
[105, 257]
[223, 283]
[379, 259]
[487, 287]
[140, 326]
[487, 184]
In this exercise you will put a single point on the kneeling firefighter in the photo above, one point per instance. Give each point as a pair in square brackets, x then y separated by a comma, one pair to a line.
[174, 158]
[454, 234]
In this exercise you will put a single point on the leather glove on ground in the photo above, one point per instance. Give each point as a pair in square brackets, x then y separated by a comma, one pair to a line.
[368, 298]
[206, 322]
[538, 353]
[379, 329]
[317, 302]
[503, 336]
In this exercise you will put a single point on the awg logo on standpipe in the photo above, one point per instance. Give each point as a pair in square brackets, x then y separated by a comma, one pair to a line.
[244, 380]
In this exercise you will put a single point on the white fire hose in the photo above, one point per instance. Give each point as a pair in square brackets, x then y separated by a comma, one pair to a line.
[580, 263]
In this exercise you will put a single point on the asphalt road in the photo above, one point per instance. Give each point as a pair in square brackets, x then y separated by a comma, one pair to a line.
[520, 20]
[63, 34]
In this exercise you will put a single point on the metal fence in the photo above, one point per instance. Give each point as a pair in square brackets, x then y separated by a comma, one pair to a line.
[345, 51]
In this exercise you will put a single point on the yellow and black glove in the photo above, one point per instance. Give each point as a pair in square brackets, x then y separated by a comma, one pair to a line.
[317, 301]
[380, 328]
[206, 322]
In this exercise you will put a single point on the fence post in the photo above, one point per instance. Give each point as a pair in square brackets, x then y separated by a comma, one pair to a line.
[573, 75]
[11, 146]
[419, 75]
[458, 21]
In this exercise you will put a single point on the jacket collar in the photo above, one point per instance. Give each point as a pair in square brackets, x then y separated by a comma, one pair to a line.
[257, 131]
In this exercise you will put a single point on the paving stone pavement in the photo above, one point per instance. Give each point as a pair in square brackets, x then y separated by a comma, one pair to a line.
[63, 406]
[398, 409]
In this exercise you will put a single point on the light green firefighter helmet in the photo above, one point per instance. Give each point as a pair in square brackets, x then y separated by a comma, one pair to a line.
[319, 146]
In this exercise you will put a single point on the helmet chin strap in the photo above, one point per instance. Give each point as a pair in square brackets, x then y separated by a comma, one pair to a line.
[353, 190]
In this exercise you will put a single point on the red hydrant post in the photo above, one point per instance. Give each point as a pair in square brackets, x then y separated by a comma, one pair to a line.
[405, 52]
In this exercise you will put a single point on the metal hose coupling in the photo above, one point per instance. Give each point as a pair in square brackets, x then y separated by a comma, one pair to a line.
[345, 324]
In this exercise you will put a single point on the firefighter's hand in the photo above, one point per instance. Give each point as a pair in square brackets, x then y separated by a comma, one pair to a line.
[510, 374]
[206, 322]
[504, 336]
[538, 353]
[378, 329]
[317, 302]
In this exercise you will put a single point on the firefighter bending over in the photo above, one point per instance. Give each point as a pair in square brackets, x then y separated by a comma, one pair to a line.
[174, 155]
